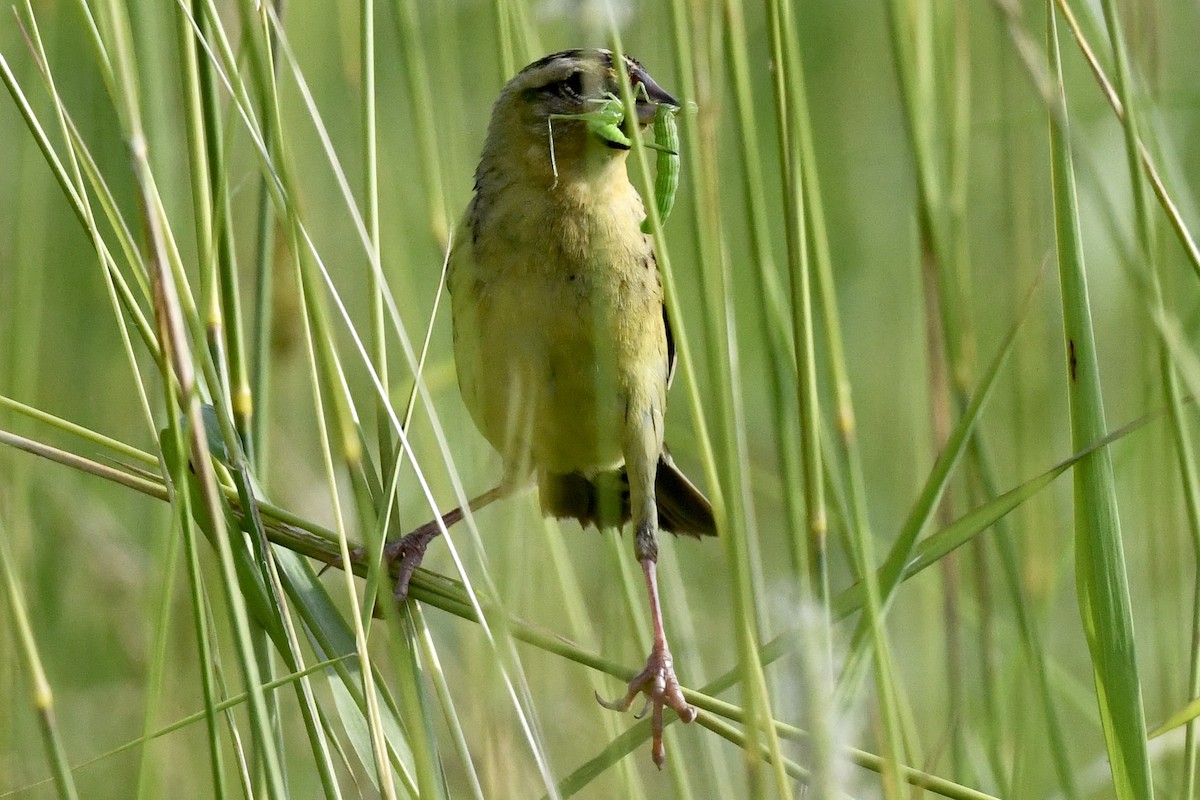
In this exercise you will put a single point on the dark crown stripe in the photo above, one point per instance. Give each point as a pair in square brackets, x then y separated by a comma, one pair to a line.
[573, 54]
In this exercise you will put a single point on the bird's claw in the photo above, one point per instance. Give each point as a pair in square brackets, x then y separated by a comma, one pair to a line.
[645, 710]
[658, 682]
[406, 552]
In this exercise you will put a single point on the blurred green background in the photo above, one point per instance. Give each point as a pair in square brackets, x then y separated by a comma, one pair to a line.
[92, 561]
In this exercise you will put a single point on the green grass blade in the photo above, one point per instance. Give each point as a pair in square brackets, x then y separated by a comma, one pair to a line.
[1102, 584]
[38, 685]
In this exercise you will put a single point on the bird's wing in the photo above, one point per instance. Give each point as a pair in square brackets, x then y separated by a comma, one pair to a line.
[667, 327]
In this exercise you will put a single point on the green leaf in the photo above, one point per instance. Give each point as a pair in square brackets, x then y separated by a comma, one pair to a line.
[1101, 584]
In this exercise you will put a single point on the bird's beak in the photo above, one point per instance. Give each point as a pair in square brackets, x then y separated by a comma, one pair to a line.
[649, 100]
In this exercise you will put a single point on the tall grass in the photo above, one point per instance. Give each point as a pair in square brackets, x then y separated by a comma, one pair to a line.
[224, 363]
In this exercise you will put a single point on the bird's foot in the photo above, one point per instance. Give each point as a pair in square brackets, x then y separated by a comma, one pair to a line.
[407, 553]
[658, 682]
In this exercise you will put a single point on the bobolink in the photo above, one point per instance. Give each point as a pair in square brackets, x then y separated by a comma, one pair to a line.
[561, 340]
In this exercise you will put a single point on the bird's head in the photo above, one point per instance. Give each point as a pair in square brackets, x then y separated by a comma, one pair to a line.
[543, 96]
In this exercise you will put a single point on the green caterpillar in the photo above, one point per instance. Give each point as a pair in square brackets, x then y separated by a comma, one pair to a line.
[666, 168]
[605, 123]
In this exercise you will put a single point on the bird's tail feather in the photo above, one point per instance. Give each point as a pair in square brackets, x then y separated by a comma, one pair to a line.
[603, 500]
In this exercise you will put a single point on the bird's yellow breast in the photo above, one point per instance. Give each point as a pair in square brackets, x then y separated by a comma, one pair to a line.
[558, 322]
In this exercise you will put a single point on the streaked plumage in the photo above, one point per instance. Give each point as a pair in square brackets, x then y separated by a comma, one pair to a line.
[560, 333]
[561, 342]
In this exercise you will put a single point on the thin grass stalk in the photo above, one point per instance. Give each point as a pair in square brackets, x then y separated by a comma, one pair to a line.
[1191, 745]
[991, 769]
[222, 324]
[1028, 631]
[899, 557]
[99, 50]
[226, 330]
[261, 324]
[424, 116]
[389, 494]
[504, 39]
[202, 179]
[704, 205]
[822, 262]
[175, 473]
[376, 325]
[129, 247]
[956, 275]
[1044, 86]
[262, 316]
[699, 152]
[774, 322]
[860, 538]
[310, 713]
[1144, 226]
[218, 269]
[183, 515]
[1018, 237]
[265, 78]
[733, 520]
[713, 780]
[181, 506]
[415, 708]
[167, 568]
[177, 362]
[75, 198]
[22, 333]
[383, 772]
[943, 258]
[240, 758]
[1102, 585]
[429, 656]
[784, 52]
[108, 76]
[575, 606]
[42, 695]
[119, 296]
[332, 638]
[125, 239]
[410, 649]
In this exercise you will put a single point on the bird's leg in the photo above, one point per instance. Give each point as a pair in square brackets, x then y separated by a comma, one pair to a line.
[409, 549]
[657, 680]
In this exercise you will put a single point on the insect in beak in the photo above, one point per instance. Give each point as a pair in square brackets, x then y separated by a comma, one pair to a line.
[649, 95]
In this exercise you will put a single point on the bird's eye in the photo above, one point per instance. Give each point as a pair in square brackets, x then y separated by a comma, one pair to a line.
[572, 86]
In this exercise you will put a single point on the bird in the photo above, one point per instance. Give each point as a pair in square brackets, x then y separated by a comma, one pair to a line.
[562, 345]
